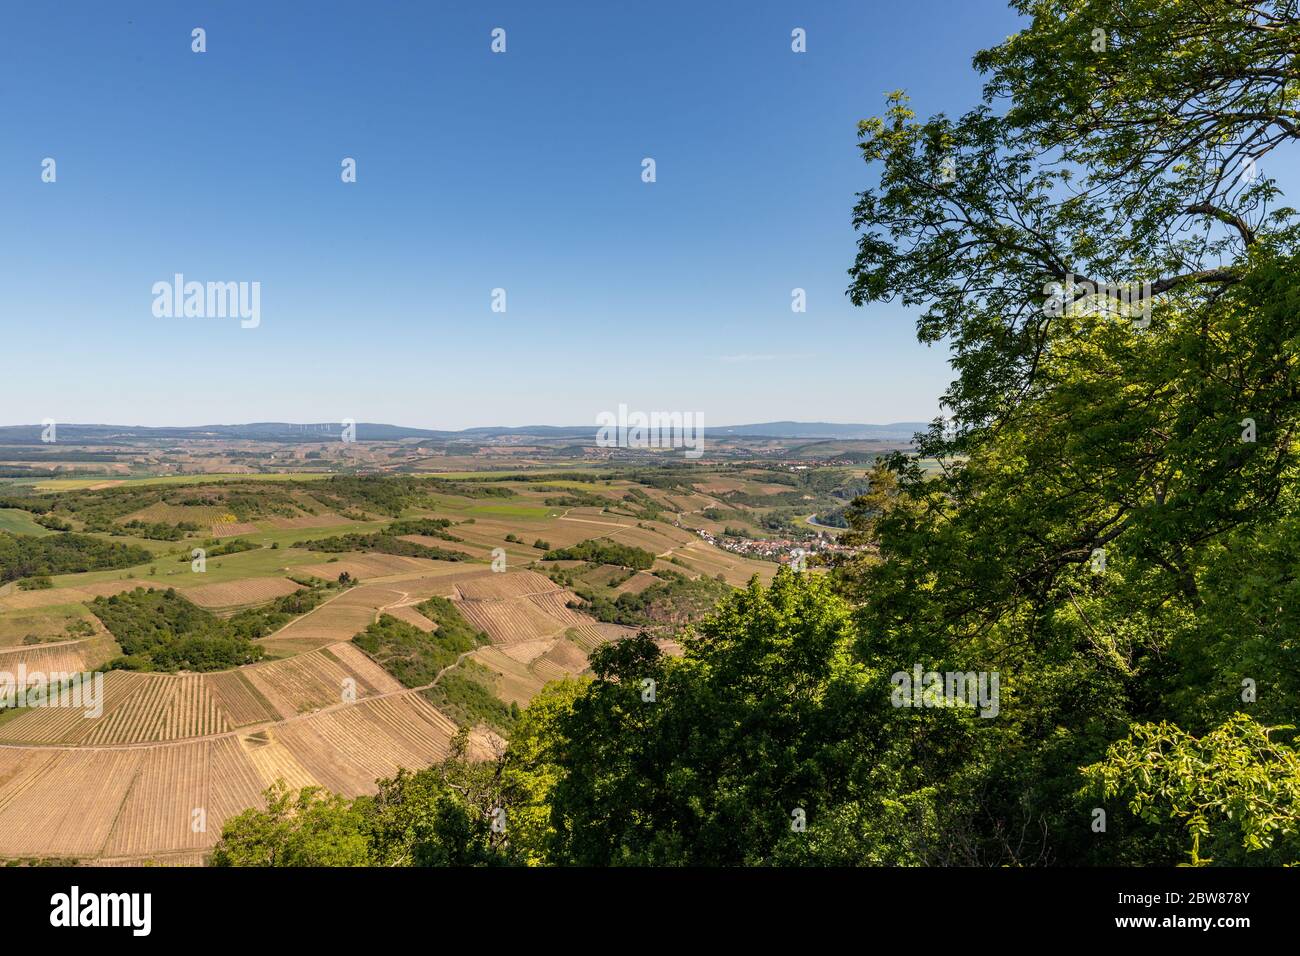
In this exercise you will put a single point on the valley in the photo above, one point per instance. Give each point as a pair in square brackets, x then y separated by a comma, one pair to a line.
[327, 628]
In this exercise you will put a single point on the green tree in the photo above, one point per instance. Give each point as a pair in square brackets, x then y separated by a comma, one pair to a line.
[1113, 513]
[1235, 787]
[709, 758]
[307, 828]
[452, 814]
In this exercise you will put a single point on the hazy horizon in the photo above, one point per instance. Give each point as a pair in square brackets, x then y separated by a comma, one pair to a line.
[747, 423]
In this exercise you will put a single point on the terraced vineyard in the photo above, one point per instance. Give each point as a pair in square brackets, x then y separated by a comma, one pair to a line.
[170, 756]
[178, 754]
[66, 656]
[245, 593]
[156, 800]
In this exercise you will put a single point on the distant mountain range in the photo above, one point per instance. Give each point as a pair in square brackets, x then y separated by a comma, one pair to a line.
[283, 432]
[896, 430]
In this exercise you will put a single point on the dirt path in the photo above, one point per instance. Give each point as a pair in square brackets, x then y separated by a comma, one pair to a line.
[32, 647]
[604, 524]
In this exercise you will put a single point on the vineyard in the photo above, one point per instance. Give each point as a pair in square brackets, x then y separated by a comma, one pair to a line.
[656, 542]
[562, 659]
[166, 807]
[62, 802]
[232, 529]
[508, 622]
[486, 587]
[273, 761]
[137, 708]
[66, 657]
[160, 512]
[140, 708]
[141, 801]
[364, 566]
[335, 620]
[319, 678]
[245, 593]
[242, 702]
[174, 755]
[347, 750]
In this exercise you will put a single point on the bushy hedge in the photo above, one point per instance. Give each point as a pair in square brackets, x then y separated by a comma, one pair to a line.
[24, 555]
[163, 631]
[604, 552]
[412, 656]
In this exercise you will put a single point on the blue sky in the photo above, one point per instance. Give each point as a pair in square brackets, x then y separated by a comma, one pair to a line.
[475, 171]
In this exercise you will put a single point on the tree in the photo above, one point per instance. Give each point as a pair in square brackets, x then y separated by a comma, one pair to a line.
[1102, 246]
[307, 828]
[711, 758]
[1236, 787]
[459, 812]
[453, 814]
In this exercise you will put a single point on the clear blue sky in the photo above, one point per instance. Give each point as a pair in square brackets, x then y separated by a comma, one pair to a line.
[475, 171]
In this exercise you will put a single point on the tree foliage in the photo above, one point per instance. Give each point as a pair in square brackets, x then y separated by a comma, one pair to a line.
[1114, 518]
[23, 555]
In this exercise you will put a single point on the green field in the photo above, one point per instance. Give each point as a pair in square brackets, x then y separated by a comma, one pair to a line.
[172, 572]
[569, 483]
[540, 469]
[532, 512]
[80, 484]
[284, 537]
[19, 522]
[47, 623]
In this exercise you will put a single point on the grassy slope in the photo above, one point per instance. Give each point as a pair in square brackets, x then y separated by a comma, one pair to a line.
[20, 522]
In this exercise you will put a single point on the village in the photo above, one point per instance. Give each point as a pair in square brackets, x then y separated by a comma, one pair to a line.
[782, 550]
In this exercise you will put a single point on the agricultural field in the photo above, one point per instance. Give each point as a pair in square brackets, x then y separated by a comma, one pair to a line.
[176, 514]
[65, 656]
[83, 484]
[172, 747]
[19, 522]
[248, 592]
[50, 623]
